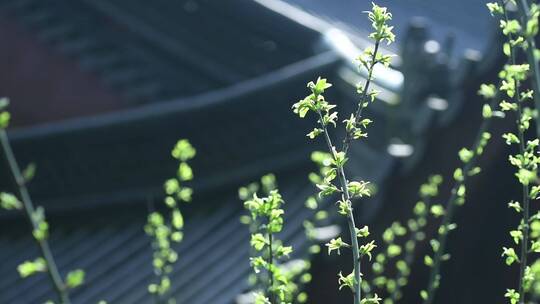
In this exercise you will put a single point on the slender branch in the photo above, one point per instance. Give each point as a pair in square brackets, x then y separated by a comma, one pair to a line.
[451, 207]
[350, 216]
[29, 209]
[360, 108]
[271, 291]
[379, 16]
[343, 178]
[409, 256]
[525, 187]
[523, 10]
[526, 203]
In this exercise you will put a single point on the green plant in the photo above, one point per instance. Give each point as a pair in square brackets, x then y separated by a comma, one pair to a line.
[295, 272]
[168, 229]
[468, 168]
[519, 39]
[355, 128]
[528, 19]
[400, 242]
[267, 218]
[36, 218]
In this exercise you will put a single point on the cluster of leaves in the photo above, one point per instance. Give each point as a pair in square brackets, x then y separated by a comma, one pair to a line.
[392, 265]
[296, 272]
[168, 229]
[266, 215]
[355, 128]
[322, 160]
[519, 34]
[36, 217]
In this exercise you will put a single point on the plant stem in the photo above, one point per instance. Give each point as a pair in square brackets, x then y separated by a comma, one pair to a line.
[451, 207]
[525, 187]
[350, 216]
[360, 108]
[271, 272]
[523, 10]
[29, 209]
[343, 178]
[525, 226]
[409, 256]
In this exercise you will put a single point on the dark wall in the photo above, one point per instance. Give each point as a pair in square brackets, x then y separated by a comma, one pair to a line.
[44, 85]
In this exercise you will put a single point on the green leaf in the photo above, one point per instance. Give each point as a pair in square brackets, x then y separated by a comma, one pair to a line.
[258, 241]
[316, 132]
[311, 203]
[362, 232]
[535, 246]
[336, 245]
[510, 138]
[185, 173]
[512, 295]
[366, 249]
[302, 107]
[393, 250]
[320, 86]
[507, 106]
[183, 150]
[29, 172]
[495, 9]
[172, 186]
[261, 299]
[9, 201]
[358, 189]
[4, 119]
[177, 219]
[510, 256]
[515, 205]
[326, 189]
[465, 155]
[510, 26]
[371, 300]
[428, 261]
[283, 251]
[41, 227]
[29, 268]
[75, 278]
[437, 210]
[486, 111]
[487, 90]
[346, 281]
[516, 235]
[339, 159]
[525, 176]
[185, 194]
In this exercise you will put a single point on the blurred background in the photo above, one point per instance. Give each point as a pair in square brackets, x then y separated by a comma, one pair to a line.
[101, 91]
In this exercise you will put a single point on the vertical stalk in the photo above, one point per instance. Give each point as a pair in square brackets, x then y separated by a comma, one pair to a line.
[523, 10]
[358, 113]
[357, 292]
[525, 225]
[409, 255]
[379, 16]
[24, 195]
[525, 187]
[451, 205]
[271, 292]
[350, 217]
